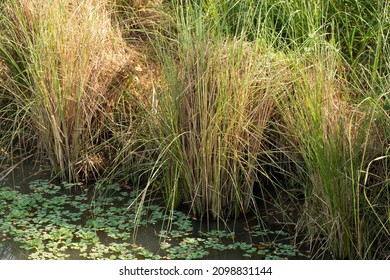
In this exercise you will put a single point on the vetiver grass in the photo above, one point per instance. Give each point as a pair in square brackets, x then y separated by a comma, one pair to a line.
[329, 112]
[318, 71]
[208, 122]
[328, 135]
[64, 58]
[333, 112]
[335, 122]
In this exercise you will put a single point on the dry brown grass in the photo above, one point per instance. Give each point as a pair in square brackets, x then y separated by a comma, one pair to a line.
[76, 63]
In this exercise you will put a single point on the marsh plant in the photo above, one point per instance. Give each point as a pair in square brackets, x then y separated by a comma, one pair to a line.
[64, 60]
[333, 119]
[290, 96]
[211, 118]
[324, 129]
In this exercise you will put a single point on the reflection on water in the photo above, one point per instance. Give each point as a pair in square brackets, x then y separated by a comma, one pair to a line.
[22, 174]
[11, 251]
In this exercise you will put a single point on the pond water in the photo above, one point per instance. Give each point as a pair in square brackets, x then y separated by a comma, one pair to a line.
[41, 219]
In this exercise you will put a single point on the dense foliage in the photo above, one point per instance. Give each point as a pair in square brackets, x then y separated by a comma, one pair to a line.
[216, 105]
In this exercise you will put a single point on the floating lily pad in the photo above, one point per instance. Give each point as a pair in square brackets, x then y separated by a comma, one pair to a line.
[50, 224]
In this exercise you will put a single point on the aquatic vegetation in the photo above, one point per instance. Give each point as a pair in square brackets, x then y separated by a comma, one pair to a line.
[51, 223]
[220, 107]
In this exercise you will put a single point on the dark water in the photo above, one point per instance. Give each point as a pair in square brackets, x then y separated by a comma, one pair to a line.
[146, 236]
[18, 175]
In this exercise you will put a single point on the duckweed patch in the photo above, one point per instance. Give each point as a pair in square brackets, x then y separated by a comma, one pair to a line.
[50, 222]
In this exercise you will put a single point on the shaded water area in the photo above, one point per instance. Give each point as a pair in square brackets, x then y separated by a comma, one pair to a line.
[42, 219]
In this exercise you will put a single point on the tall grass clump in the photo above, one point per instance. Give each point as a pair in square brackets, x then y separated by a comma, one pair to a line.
[64, 59]
[208, 122]
[334, 117]
[335, 141]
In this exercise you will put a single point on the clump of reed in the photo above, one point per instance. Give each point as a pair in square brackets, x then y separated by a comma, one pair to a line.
[334, 142]
[66, 60]
[209, 120]
[232, 72]
[334, 118]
